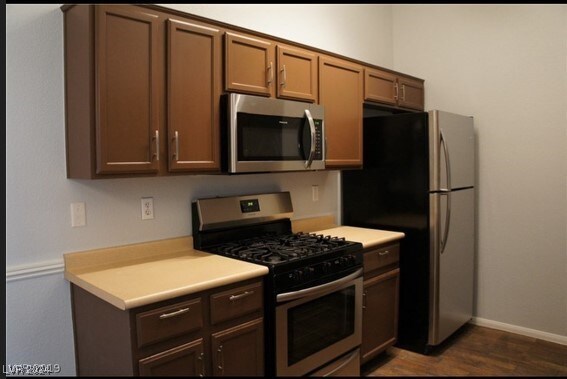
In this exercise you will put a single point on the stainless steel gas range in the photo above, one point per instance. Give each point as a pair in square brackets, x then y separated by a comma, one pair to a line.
[313, 292]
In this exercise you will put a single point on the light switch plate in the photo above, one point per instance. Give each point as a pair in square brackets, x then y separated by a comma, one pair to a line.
[78, 214]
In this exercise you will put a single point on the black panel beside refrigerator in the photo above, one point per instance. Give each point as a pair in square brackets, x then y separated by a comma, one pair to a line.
[400, 188]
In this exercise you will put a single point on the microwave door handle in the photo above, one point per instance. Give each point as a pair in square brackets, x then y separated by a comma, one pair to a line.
[313, 134]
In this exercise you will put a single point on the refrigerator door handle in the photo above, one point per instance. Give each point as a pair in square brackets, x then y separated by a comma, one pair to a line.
[446, 191]
[447, 219]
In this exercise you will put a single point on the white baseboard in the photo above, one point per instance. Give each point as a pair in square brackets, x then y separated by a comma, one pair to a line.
[34, 270]
[556, 338]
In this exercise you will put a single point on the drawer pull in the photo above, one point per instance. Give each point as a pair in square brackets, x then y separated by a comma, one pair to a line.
[384, 252]
[240, 296]
[173, 314]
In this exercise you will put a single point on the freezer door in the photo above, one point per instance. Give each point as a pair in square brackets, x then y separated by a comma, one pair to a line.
[452, 266]
[452, 151]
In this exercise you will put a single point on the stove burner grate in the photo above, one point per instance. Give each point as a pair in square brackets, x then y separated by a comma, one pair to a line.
[277, 249]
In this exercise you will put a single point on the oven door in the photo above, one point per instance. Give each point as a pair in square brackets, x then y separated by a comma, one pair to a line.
[318, 324]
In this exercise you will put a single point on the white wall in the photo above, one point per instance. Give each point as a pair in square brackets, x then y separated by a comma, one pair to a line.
[38, 195]
[506, 66]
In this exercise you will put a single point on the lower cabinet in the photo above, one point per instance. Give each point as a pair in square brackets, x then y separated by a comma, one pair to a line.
[218, 332]
[185, 360]
[380, 300]
[238, 351]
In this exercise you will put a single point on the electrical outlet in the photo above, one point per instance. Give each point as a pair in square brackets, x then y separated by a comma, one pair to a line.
[147, 208]
[315, 193]
[78, 214]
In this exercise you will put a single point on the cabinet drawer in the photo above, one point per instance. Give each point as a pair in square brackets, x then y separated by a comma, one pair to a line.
[381, 257]
[173, 320]
[237, 302]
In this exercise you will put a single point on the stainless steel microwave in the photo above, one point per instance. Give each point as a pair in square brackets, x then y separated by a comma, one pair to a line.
[268, 135]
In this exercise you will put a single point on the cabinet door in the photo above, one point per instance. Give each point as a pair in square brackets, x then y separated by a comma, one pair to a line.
[239, 351]
[249, 65]
[340, 91]
[184, 360]
[127, 75]
[193, 90]
[380, 86]
[380, 313]
[297, 74]
[411, 93]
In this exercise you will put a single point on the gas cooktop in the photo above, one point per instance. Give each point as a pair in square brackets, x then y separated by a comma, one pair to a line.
[279, 249]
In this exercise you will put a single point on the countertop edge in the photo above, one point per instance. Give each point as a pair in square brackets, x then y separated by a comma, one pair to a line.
[126, 304]
[192, 289]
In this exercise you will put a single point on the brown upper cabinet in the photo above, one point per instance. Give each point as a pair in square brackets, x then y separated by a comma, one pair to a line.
[117, 120]
[143, 86]
[127, 78]
[193, 90]
[297, 74]
[340, 91]
[251, 67]
[392, 89]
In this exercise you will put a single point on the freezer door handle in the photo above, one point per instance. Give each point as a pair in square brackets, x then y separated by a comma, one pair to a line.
[446, 191]
[447, 161]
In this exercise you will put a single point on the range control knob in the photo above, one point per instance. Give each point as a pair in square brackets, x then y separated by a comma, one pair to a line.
[327, 267]
[295, 275]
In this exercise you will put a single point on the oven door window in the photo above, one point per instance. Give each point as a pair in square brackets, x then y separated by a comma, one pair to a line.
[272, 138]
[320, 323]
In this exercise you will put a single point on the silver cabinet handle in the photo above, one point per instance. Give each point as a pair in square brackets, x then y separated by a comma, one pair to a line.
[403, 92]
[271, 77]
[240, 296]
[220, 357]
[173, 314]
[313, 135]
[396, 91]
[201, 359]
[284, 76]
[364, 300]
[384, 252]
[176, 138]
[156, 138]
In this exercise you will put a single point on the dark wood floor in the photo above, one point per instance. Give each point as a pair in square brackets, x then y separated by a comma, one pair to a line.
[476, 351]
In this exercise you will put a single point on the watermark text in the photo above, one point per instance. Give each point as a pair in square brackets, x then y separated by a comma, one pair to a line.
[31, 369]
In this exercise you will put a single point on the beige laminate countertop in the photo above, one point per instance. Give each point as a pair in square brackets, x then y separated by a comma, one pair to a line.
[135, 275]
[139, 274]
[368, 237]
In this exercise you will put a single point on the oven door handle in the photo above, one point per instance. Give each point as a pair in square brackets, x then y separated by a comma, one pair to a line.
[317, 289]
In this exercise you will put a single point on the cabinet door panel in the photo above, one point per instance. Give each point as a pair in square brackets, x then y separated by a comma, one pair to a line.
[341, 93]
[411, 93]
[193, 92]
[239, 351]
[380, 313]
[250, 65]
[185, 360]
[297, 74]
[380, 86]
[127, 93]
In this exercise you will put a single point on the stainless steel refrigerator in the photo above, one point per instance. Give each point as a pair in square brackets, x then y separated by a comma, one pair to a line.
[419, 178]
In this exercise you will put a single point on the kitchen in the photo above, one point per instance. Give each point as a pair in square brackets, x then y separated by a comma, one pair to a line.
[481, 67]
